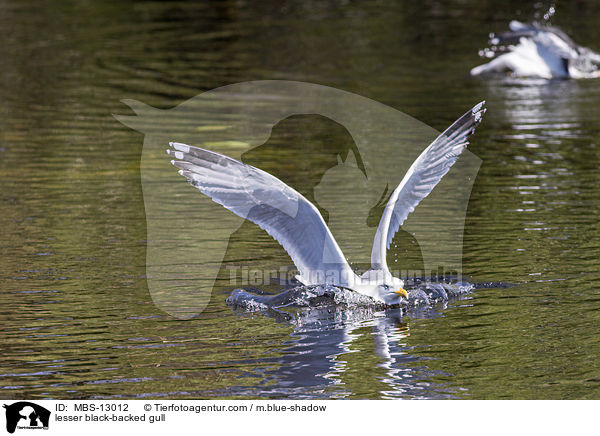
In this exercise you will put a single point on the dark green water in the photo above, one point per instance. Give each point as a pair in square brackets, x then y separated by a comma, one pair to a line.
[78, 320]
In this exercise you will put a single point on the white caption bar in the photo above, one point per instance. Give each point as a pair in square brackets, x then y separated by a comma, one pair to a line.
[290, 417]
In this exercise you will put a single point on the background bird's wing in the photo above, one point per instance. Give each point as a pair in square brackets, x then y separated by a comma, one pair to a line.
[554, 43]
[517, 31]
[420, 179]
[268, 202]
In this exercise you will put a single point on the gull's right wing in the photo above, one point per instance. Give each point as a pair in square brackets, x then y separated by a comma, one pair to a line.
[420, 179]
[265, 200]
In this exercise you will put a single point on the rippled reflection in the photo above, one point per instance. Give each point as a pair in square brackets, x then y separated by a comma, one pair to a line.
[351, 353]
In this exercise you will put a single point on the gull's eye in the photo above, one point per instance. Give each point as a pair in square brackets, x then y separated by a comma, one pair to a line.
[386, 287]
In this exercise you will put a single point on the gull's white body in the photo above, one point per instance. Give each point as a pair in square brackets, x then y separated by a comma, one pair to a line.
[540, 51]
[297, 224]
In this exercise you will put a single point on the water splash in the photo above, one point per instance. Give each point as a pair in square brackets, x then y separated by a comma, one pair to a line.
[544, 16]
[420, 293]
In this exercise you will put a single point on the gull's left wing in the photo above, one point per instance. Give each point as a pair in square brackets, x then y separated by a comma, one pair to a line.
[423, 175]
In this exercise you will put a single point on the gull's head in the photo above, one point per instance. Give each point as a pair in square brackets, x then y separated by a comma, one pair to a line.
[392, 292]
[381, 285]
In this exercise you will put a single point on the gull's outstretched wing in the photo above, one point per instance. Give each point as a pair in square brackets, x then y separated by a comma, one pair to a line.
[420, 179]
[268, 202]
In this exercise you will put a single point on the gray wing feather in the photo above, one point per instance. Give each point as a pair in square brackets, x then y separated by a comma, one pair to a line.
[268, 202]
[423, 175]
[550, 37]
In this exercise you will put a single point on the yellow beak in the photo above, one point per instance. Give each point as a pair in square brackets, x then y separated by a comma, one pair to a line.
[401, 292]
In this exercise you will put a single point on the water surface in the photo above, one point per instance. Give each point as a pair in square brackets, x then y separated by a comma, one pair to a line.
[78, 319]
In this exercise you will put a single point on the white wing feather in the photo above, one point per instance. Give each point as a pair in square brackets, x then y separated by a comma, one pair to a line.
[271, 204]
[423, 175]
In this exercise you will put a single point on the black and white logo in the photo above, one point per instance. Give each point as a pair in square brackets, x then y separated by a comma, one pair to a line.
[26, 415]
